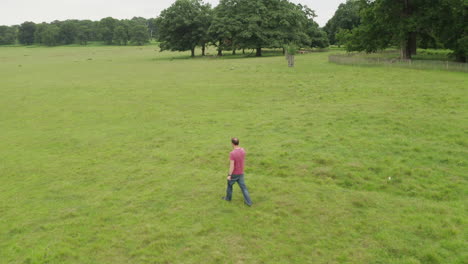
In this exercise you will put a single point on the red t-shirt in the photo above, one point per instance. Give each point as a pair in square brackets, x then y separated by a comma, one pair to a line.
[238, 156]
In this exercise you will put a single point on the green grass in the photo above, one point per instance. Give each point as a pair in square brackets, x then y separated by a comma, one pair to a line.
[425, 60]
[120, 155]
[422, 55]
[394, 53]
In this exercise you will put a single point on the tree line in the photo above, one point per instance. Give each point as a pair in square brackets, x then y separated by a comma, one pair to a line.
[137, 31]
[233, 25]
[372, 25]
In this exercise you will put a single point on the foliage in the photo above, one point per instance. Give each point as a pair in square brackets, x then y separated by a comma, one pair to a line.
[152, 28]
[401, 23]
[120, 36]
[106, 29]
[384, 23]
[343, 36]
[319, 38]
[451, 28]
[85, 32]
[68, 31]
[346, 17]
[226, 25]
[271, 23]
[7, 35]
[26, 33]
[138, 21]
[139, 34]
[291, 49]
[51, 35]
[257, 24]
[183, 25]
[461, 48]
[232, 25]
[40, 28]
[109, 30]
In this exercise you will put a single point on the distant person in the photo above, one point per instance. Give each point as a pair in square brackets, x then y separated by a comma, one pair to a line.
[236, 172]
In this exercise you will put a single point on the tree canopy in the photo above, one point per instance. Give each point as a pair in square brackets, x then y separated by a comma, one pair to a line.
[26, 33]
[7, 35]
[346, 18]
[184, 25]
[238, 24]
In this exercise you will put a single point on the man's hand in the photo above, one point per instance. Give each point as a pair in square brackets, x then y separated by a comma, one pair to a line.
[231, 169]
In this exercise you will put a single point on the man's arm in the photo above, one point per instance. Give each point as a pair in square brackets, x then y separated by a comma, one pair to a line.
[231, 169]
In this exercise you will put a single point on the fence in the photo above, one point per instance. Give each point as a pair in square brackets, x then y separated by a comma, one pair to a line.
[360, 60]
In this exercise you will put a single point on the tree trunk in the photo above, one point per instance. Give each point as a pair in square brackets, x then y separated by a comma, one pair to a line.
[461, 58]
[233, 51]
[203, 50]
[413, 43]
[220, 50]
[406, 43]
[405, 52]
[284, 51]
[243, 51]
[193, 52]
[259, 52]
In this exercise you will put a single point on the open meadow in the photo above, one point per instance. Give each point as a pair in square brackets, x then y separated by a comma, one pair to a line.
[119, 155]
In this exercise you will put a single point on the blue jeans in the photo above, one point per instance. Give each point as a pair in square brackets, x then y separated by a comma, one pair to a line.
[239, 178]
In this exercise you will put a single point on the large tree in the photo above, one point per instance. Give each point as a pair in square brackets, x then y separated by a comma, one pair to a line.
[106, 29]
[258, 18]
[226, 26]
[68, 31]
[450, 26]
[204, 20]
[318, 37]
[120, 36]
[294, 25]
[26, 33]
[400, 22]
[259, 24]
[346, 17]
[385, 23]
[38, 32]
[85, 31]
[182, 26]
[50, 36]
[139, 34]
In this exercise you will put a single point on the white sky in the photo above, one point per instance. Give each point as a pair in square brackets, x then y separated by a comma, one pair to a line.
[14, 12]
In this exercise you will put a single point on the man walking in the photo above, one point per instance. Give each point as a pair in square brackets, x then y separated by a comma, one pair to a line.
[236, 172]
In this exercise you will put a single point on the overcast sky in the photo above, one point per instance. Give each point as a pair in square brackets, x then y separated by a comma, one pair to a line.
[14, 12]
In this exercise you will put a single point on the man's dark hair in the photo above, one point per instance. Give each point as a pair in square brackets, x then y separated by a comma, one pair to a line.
[235, 141]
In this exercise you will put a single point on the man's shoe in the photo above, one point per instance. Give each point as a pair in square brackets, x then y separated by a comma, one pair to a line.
[249, 205]
[225, 199]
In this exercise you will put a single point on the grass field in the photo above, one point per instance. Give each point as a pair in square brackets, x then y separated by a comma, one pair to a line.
[120, 155]
[424, 60]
